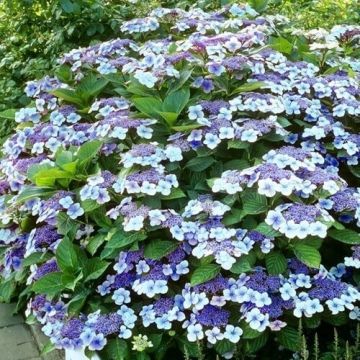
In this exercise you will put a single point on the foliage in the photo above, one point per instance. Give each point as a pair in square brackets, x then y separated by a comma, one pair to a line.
[190, 188]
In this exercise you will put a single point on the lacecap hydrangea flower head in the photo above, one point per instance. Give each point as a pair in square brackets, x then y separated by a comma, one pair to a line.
[189, 185]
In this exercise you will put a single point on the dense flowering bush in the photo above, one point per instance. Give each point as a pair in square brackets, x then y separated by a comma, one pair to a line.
[188, 190]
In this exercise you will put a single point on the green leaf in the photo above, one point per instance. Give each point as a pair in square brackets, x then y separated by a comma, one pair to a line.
[7, 289]
[148, 105]
[253, 203]
[49, 176]
[49, 284]
[94, 268]
[48, 347]
[68, 95]
[169, 117]
[308, 255]
[204, 273]
[175, 194]
[198, 164]
[244, 264]
[237, 144]
[346, 236]
[289, 338]
[66, 256]
[35, 258]
[250, 86]
[30, 192]
[120, 239]
[267, 230]
[89, 150]
[176, 101]
[116, 349]
[275, 263]
[77, 301]
[89, 205]
[65, 225]
[8, 114]
[90, 86]
[94, 243]
[157, 249]
[281, 44]
[224, 346]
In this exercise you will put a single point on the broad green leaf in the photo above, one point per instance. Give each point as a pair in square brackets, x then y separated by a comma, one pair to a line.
[65, 225]
[68, 95]
[117, 349]
[267, 230]
[94, 268]
[8, 114]
[255, 344]
[308, 255]
[199, 163]
[30, 192]
[224, 346]
[7, 289]
[346, 236]
[250, 86]
[244, 264]
[169, 117]
[176, 101]
[289, 338]
[119, 240]
[66, 256]
[77, 301]
[50, 284]
[47, 348]
[148, 105]
[94, 243]
[89, 205]
[253, 203]
[281, 44]
[48, 177]
[89, 150]
[185, 128]
[204, 273]
[175, 194]
[238, 144]
[90, 86]
[157, 249]
[275, 263]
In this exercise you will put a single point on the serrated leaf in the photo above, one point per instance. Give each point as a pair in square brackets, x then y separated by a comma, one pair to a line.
[346, 236]
[199, 163]
[116, 349]
[50, 284]
[157, 249]
[250, 86]
[253, 203]
[275, 263]
[204, 273]
[94, 268]
[88, 150]
[244, 264]
[289, 338]
[308, 255]
[66, 256]
[30, 192]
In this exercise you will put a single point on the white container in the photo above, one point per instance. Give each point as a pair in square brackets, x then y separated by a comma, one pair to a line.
[79, 355]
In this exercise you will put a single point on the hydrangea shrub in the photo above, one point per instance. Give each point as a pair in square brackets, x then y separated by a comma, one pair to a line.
[188, 188]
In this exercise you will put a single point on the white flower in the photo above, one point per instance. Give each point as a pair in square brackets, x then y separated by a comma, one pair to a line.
[267, 187]
[145, 78]
[195, 332]
[211, 141]
[233, 333]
